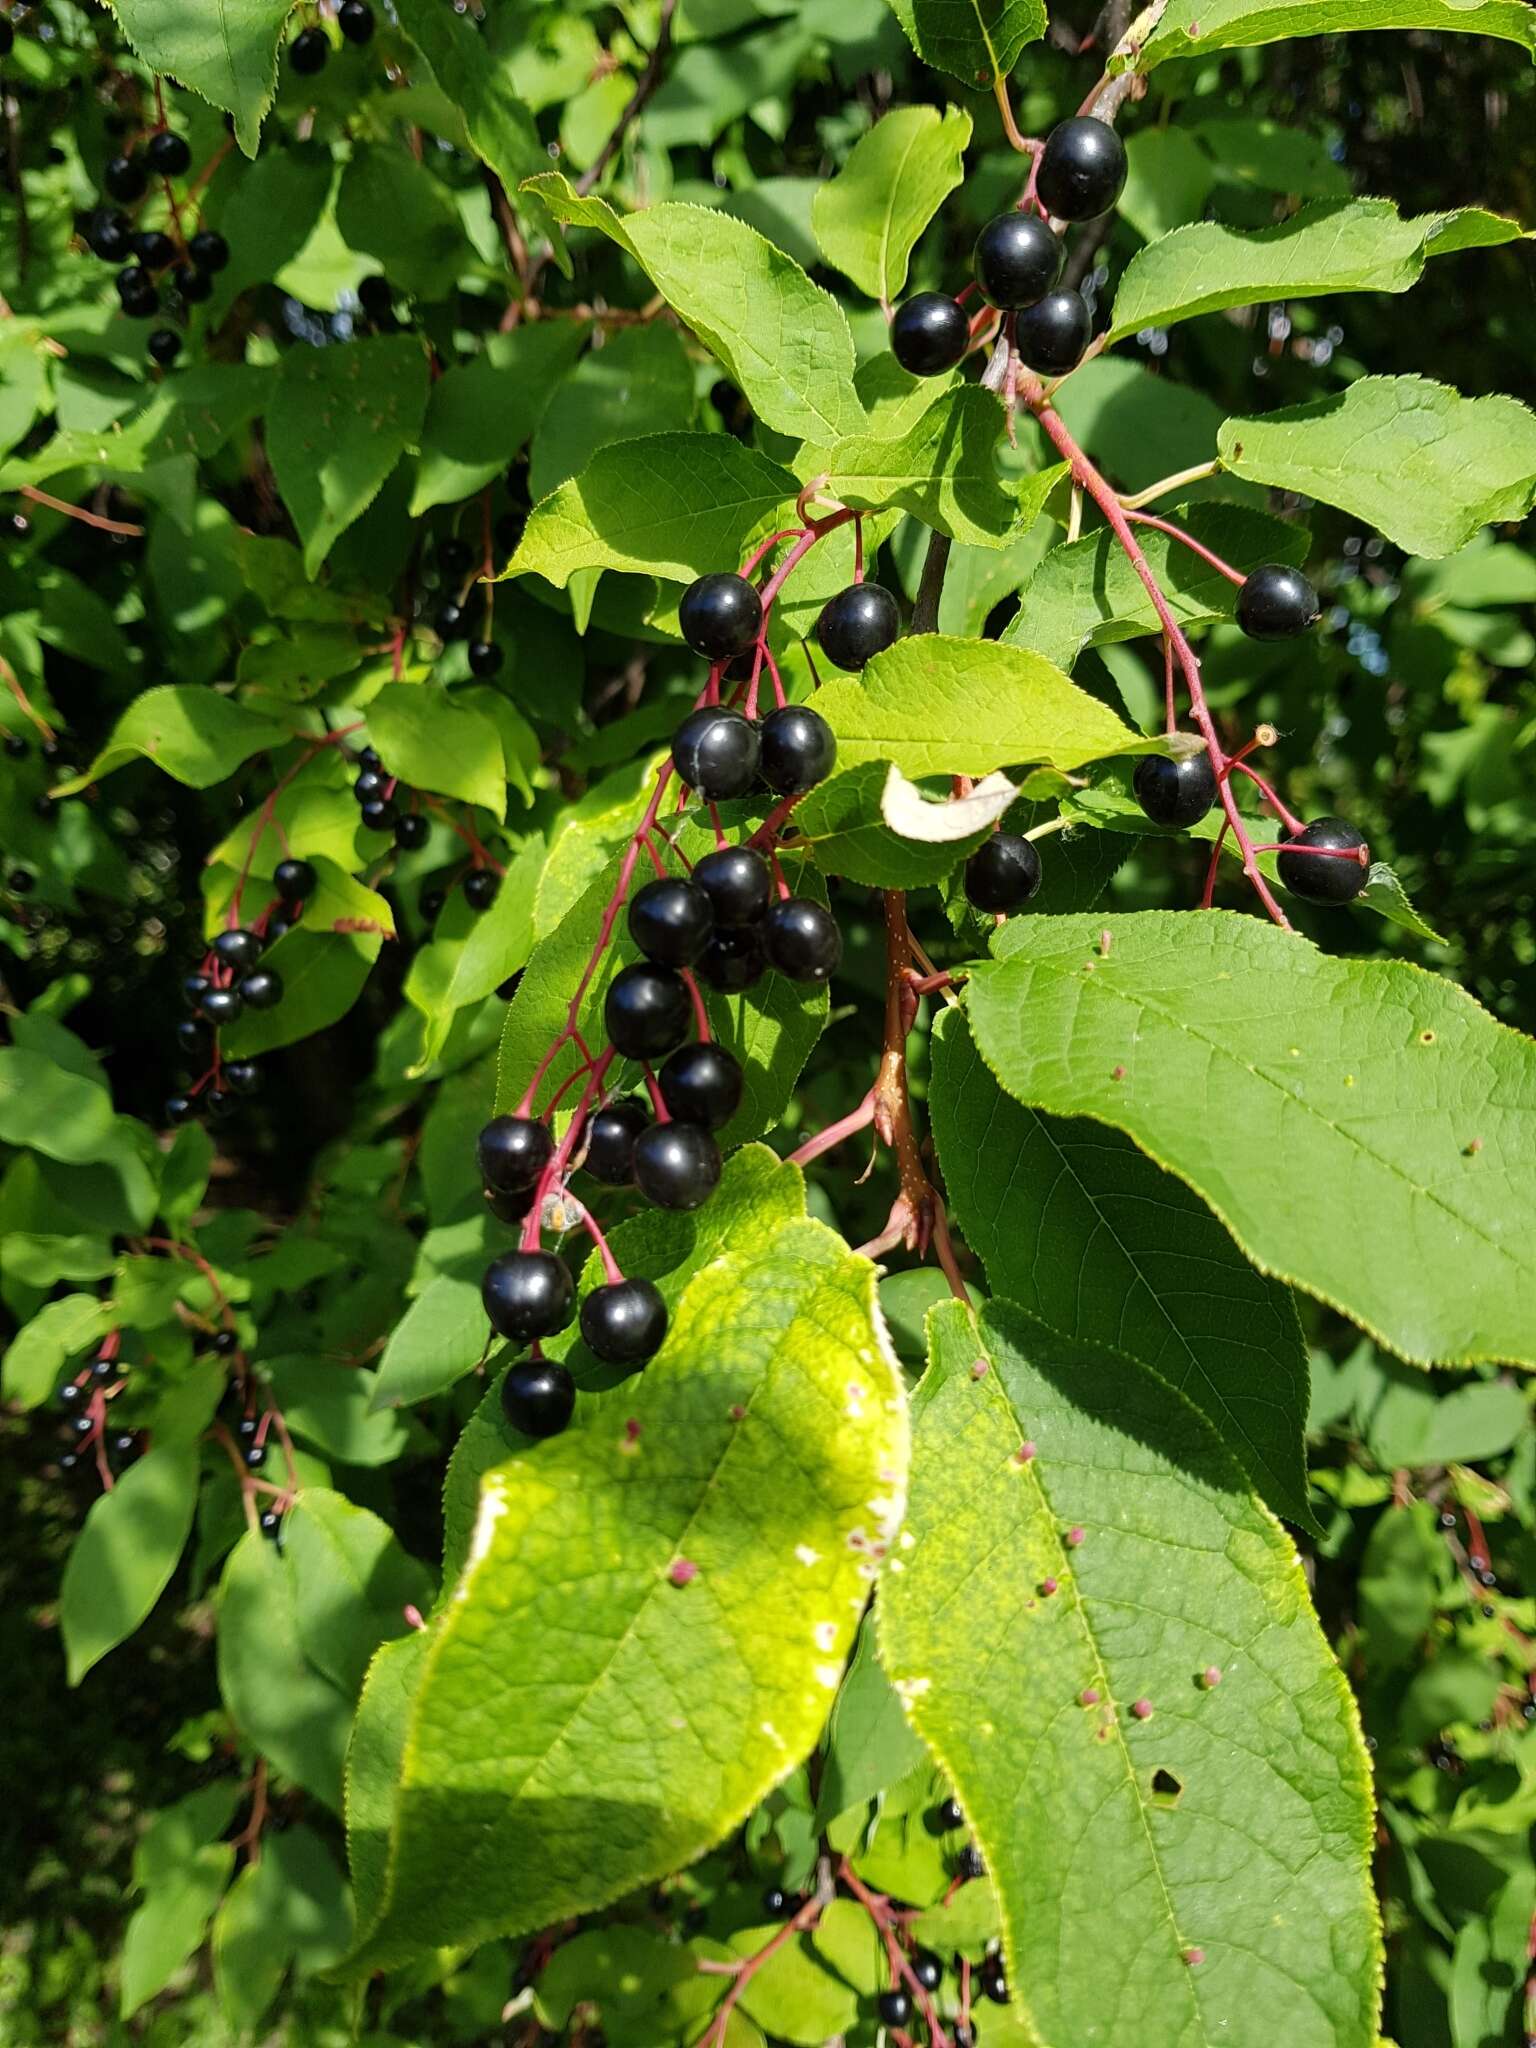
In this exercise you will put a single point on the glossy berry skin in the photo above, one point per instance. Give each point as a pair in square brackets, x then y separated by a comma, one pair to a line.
[646, 1011]
[538, 1397]
[702, 1084]
[261, 990]
[798, 749]
[625, 1323]
[270, 1522]
[677, 1166]
[168, 155]
[379, 814]
[241, 1076]
[480, 886]
[509, 1208]
[136, 292]
[611, 1136]
[218, 1103]
[1175, 792]
[448, 621]
[1018, 260]
[1053, 333]
[927, 1969]
[308, 51]
[485, 658]
[208, 250]
[194, 285]
[1082, 169]
[528, 1295]
[894, 2008]
[370, 784]
[1002, 875]
[355, 20]
[179, 1109]
[802, 940]
[720, 616]
[412, 831]
[237, 947]
[734, 960]
[857, 624]
[164, 346]
[775, 1902]
[972, 1863]
[993, 1980]
[294, 880]
[512, 1151]
[1277, 603]
[221, 1006]
[716, 752]
[154, 250]
[195, 1037]
[950, 1815]
[1328, 876]
[125, 178]
[929, 334]
[671, 921]
[738, 882]
[255, 1455]
[110, 236]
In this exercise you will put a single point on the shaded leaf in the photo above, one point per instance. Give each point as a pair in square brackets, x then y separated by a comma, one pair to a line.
[868, 217]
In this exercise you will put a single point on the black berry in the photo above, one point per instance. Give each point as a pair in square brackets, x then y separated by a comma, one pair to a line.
[167, 154]
[21, 881]
[1336, 873]
[412, 831]
[455, 557]
[857, 624]
[677, 1166]
[894, 2008]
[136, 292]
[927, 1969]
[376, 296]
[702, 1084]
[110, 236]
[972, 1863]
[538, 1397]
[798, 747]
[720, 616]
[270, 1522]
[738, 882]
[255, 1455]
[221, 1006]
[208, 250]
[1052, 334]
[734, 960]
[237, 947]
[716, 752]
[1082, 169]
[1003, 874]
[195, 1038]
[646, 1011]
[308, 51]
[1276, 603]
[528, 1294]
[1018, 260]
[355, 20]
[775, 1902]
[243, 1077]
[1175, 792]
[371, 783]
[71, 1394]
[993, 1980]
[509, 1208]
[105, 1368]
[179, 1109]
[950, 1815]
[611, 1136]
[512, 1151]
[194, 285]
[156, 251]
[448, 621]
[126, 179]
[432, 901]
[81, 1425]
[624, 1323]
[294, 880]
[671, 921]
[379, 816]
[930, 333]
[218, 1103]
[802, 940]
[485, 658]
[164, 346]
[480, 887]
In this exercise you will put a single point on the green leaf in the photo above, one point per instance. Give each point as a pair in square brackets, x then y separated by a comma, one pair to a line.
[639, 1730]
[431, 742]
[1193, 27]
[673, 505]
[1416, 460]
[337, 425]
[781, 338]
[843, 823]
[250, 1959]
[1082, 1230]
[1368, 1173]
[641, 381]
[868, 218]
[323, 976]
[441, 1336]
[123, 1558]
[940, 706]
[943, 469]
[190, 732]
[1414, 1425]
[1114, 1790]
[170, 1925]
[976, 41]
[352, 1582]
[38, 1353]
[330, 1405]
[482, 412]
[1086, 594]
[280, 1702]
[51, 1109]
[391, 207]
[473, 951]
[1350, 245]
[224, 49]
[869, 1742]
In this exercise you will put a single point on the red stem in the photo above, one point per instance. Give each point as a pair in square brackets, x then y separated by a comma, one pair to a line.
[1196, 547]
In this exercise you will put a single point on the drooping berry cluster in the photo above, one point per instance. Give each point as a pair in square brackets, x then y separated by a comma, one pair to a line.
[146, 253]
[450, 621]
[311, 48]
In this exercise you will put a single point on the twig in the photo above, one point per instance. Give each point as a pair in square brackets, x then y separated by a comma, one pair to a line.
[647, 83]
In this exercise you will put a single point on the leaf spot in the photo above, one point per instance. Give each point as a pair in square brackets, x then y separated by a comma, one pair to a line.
[806, 1555]
[682, 1571]
[1167, 1790]
[1142, 1709]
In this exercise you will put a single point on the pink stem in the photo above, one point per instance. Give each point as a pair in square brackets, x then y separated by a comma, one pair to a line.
[1196, 547]
[847, 1126]
[1267, 790]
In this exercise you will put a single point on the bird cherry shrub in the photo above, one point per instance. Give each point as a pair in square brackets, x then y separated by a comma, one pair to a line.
[711, 1057]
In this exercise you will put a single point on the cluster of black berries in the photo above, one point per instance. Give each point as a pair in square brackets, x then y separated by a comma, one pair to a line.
[1018, 259]
[310, 48]
[86, 1417]
[455, 558]
[145, 253]
[379, 796]
[230, 980]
